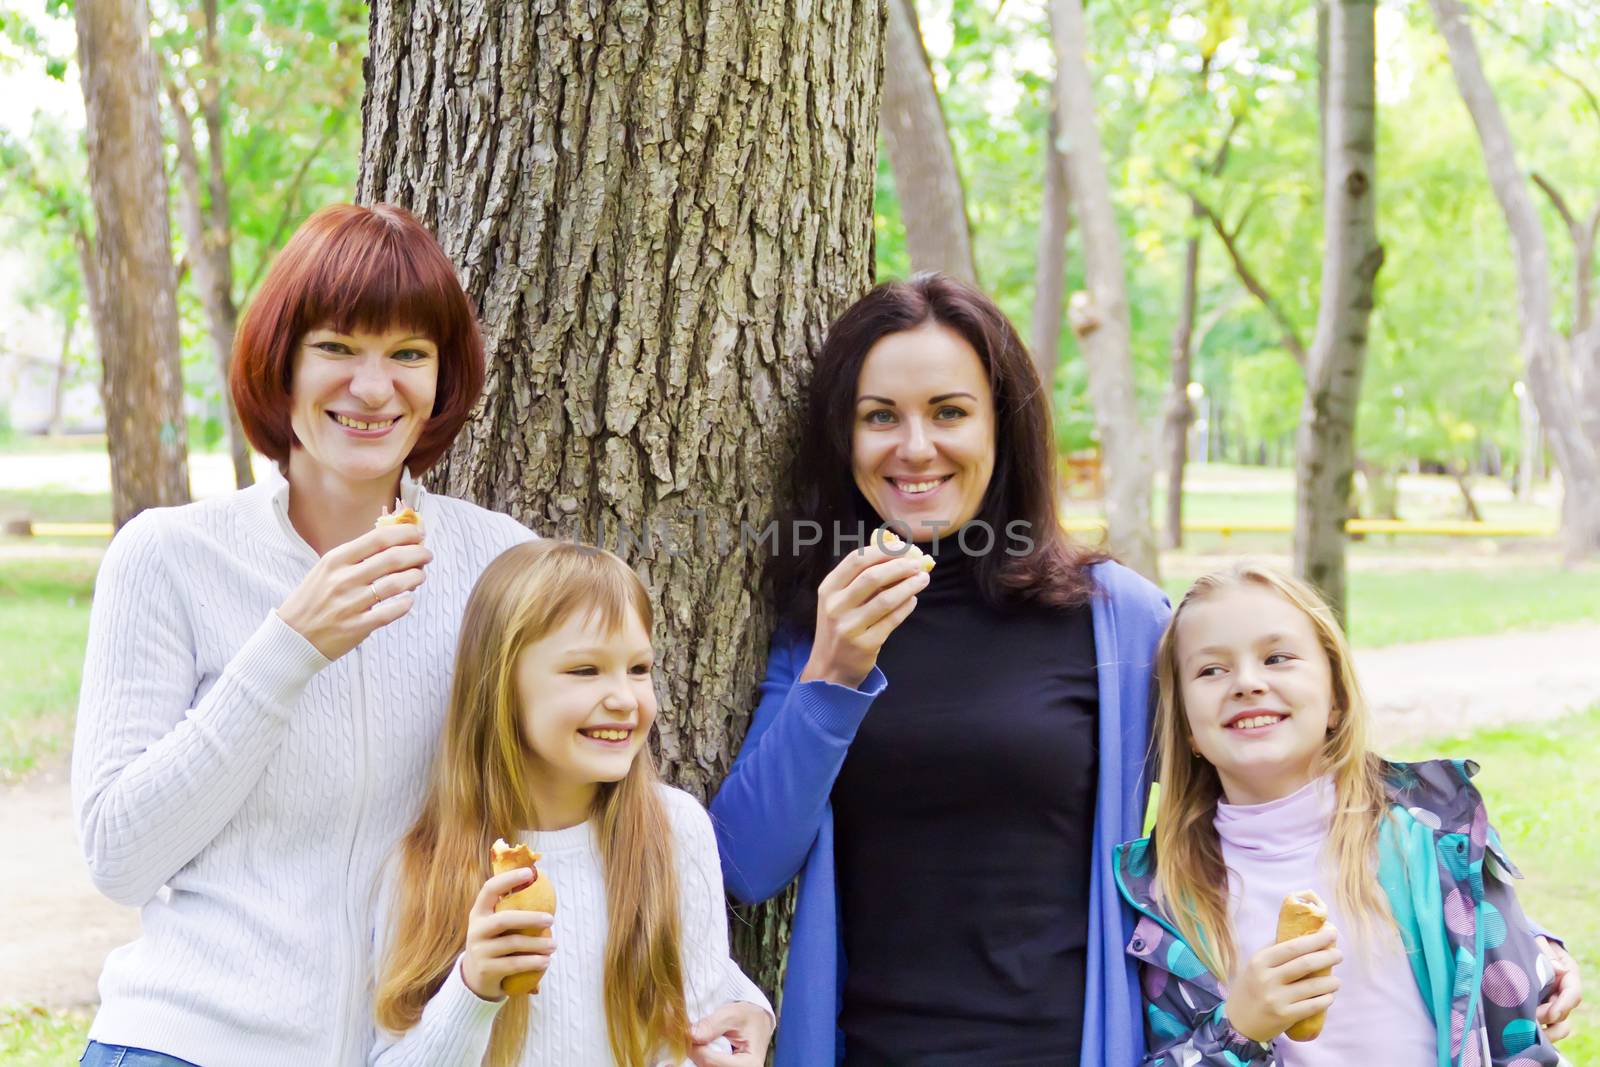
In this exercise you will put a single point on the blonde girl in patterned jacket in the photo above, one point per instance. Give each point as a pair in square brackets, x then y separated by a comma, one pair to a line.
[1268, 788]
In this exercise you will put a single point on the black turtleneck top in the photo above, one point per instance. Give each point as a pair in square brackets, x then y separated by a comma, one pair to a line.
[964, 824]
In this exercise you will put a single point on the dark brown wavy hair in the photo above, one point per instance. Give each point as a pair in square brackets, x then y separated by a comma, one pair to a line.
[1022, 488]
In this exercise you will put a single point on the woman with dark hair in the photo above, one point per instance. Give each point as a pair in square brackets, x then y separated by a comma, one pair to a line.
[265, 680]
[943, 757]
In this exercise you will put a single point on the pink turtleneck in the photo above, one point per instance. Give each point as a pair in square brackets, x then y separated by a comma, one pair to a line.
[1274, 849]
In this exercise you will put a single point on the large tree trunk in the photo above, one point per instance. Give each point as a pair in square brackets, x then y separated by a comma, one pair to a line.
[1325, 445]
[1099, 316]
[927, 183]
[658, 210]
[1050, 260]
[1576, 455]
[208, 236]
[133, 306]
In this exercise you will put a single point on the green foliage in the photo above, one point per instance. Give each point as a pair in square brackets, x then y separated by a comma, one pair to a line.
[31, 1036]
[286, 78]
[1173, 82]
[44, 620]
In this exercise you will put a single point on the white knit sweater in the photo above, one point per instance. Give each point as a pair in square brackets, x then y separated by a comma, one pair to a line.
[243, 791]
[566, 1018]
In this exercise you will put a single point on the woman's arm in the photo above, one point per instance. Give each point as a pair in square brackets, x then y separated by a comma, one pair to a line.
[769, 809]
[155, 777]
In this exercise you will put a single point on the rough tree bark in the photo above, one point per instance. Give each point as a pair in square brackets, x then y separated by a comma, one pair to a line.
[133, 305]
[1050, 260]
[1099, 316]
[658, 207]
[208, 227]
[927, 182]
[1554, 392]
[1325, 444]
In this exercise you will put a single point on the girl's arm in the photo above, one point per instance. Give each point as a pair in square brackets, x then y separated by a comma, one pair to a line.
[454, 1030]
[1179, 1034]
[456, 1023]
[769, 809]
[155, 774]
[711, 977]
[1513, 986]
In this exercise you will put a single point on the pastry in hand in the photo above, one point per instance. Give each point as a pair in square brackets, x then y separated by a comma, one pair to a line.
[1304, 913]
[401, 515]
[895, 545]
[539, 895]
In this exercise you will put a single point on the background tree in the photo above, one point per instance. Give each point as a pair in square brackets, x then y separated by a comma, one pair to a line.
[132, 288]
[1552, 385]
[1326, 442]
[926, 178]
[655, 250]
[1099, 313]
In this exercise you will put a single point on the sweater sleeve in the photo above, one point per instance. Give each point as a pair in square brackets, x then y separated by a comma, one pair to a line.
[456, 1023]
[712, 978]
[454, 1030]
[155, 775]
[769, 809]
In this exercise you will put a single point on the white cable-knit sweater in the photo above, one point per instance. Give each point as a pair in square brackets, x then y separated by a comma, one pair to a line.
[566, 1018]
[243, 791]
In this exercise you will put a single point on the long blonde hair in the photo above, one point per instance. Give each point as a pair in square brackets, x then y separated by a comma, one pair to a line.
[478, 791]
[1191, 878]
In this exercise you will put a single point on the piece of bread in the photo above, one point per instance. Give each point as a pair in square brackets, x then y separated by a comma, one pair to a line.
[892, 543]
[1304, 913]
[540, 895]
[401, 515]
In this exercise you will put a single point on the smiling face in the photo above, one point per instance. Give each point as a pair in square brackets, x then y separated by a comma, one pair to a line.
[358, 402]
[587, 701]
[1257, 690]
[923, 446]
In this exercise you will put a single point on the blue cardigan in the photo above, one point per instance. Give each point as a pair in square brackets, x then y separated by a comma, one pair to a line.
[773, 821]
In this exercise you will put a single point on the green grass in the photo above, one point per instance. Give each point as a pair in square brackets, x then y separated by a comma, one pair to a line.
[44, 620]
[1539, 781]
[1395, 606]
[36, 1037]
[53, 504]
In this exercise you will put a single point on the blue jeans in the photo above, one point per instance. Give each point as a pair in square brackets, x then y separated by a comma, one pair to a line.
[98, 1055]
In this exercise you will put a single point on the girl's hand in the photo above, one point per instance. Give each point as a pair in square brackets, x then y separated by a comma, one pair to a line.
[1273, 991]
[356, 588]
[1568, 993]
[496, 946]
[859, 604]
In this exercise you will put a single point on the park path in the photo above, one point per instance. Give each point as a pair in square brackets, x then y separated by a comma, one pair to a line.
[58, 929]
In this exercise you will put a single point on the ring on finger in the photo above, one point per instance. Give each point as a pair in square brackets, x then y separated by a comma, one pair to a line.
[376, 599]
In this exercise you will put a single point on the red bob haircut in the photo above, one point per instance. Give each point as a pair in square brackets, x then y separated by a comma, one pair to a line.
[354, 268]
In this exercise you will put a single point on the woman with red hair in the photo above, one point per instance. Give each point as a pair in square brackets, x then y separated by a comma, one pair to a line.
[266, 673]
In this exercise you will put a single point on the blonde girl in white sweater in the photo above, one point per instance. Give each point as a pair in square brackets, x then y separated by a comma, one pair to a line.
[547, 741]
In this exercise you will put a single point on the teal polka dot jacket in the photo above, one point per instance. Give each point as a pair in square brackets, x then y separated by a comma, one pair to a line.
[1475, 960]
